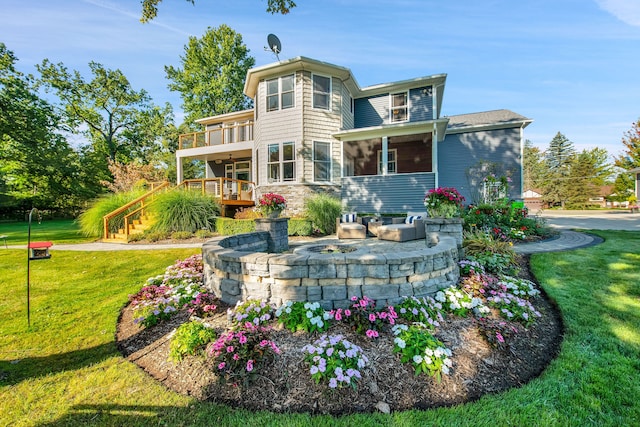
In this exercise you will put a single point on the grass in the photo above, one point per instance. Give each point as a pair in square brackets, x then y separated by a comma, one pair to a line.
[66, 370]
[56, 230]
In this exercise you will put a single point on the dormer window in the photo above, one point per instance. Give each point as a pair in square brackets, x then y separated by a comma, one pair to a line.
[321, 92]
[399, 107]
[280, 93]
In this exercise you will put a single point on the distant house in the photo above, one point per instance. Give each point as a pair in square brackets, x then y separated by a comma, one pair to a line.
[600, 200]
[378, 148]
[533, 199]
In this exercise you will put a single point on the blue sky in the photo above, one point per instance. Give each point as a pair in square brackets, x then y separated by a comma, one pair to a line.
[570, 65]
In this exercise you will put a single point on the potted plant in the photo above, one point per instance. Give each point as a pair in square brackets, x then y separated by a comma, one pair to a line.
[271, 205]
[443, 202]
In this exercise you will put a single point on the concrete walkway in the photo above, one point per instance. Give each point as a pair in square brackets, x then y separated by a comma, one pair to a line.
[564, 221]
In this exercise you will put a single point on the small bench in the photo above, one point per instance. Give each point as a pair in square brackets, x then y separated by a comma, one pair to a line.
[633, 209]
[4, 237]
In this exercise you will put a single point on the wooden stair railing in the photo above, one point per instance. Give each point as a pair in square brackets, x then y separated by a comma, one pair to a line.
[131, 216]
[142, 201]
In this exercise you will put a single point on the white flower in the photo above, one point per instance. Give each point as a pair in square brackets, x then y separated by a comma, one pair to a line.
[400, 342]
[417, 359]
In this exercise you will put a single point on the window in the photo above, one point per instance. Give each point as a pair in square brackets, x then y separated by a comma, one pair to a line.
[399, 107]
[280, 93]
[392, 163]
[321, 161]
[321, 92]
[281, 163]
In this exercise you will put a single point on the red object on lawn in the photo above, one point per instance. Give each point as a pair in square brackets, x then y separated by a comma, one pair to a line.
[39, 250]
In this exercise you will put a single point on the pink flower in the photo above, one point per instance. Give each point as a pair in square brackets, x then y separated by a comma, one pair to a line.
[221, 366]
[347, 312]
[499, 337]
[338, 316]
[249, 365]
[236, 356]
[230, 349]
[372, 317]
[242, 339]
[371, 333]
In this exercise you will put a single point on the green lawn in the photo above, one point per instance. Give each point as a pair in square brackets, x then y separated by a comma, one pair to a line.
[66, 370]
[56, 230]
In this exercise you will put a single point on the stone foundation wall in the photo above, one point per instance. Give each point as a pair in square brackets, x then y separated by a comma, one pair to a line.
[295, 194]
[237, 270]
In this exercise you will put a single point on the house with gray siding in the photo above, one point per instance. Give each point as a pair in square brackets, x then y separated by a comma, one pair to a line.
[379, 148]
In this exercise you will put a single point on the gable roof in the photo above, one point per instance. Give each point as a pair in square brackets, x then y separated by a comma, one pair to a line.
[495, 119]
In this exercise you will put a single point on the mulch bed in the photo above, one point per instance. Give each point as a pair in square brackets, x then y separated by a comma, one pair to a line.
[386, 385]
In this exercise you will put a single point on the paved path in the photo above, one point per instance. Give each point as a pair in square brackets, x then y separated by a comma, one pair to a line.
[564, 221]
[567, 221]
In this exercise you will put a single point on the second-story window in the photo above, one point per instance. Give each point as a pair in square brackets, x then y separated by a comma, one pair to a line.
[280, 93]
[399, 107]
[281, 164]
[321, 92]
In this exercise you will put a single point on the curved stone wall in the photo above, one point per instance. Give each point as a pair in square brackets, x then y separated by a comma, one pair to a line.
[238, 268]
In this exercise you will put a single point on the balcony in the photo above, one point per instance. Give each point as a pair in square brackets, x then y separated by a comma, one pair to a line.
[227, 134]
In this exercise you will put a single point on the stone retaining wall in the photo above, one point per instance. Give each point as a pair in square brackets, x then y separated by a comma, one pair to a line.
[237, 268]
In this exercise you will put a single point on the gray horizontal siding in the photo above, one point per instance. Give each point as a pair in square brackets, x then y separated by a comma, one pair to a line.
[371, 111]
[458, 152]
[374, 110]
[397, 193]
[420, 105]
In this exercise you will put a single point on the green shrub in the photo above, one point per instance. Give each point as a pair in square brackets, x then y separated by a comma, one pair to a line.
[154, 236]
[189, 339]
[183, 210]
[322, 210]
[203, 234]
[230, 226]
[300, 227]
[495, 255]
[91, 220]
[181, 235]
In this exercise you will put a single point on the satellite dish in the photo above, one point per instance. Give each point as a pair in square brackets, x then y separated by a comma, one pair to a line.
[273, 44]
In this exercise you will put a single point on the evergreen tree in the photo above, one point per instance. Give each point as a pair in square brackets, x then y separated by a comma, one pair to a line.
[588, 173]
[533, 166]
[558, 159]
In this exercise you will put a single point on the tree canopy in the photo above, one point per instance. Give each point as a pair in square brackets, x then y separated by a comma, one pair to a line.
[631, 156]
[150, 8]
[211, 78]
[37, 165]
[116, 119]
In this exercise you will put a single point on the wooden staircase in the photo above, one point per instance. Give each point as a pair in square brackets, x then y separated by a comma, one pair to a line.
[131, 218]
[136, 226]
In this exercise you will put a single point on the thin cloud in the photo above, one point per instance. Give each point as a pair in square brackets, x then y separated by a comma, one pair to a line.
[136, 15]
[628, 11]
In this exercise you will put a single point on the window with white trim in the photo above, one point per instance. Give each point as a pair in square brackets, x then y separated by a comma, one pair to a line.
[321, 161]
[281, 162]
[321, 92]
[281, 93]
[399, 107]
[392, 163]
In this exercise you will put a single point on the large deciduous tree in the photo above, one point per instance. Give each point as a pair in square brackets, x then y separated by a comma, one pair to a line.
[211, 79]
[150, 8]
[631, 140]
[37, 165]
[106, 109]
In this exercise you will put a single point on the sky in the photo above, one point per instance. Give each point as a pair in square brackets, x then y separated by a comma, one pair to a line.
[572, 66]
